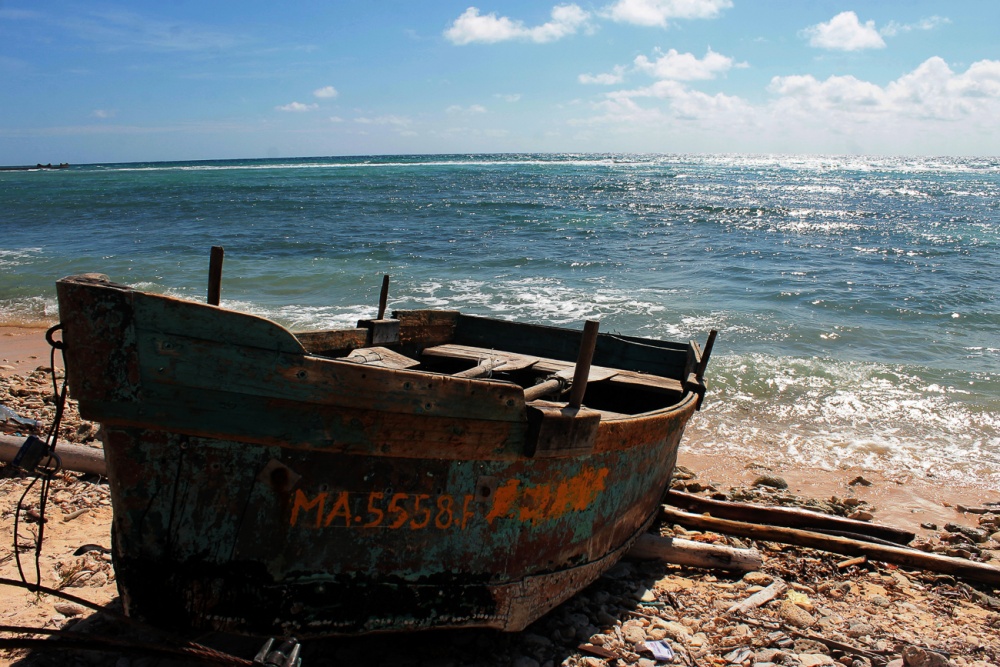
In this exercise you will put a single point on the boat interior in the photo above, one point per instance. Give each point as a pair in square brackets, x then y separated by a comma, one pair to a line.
[628, 376]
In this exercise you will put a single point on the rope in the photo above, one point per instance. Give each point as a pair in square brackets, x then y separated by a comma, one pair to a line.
[54, 464]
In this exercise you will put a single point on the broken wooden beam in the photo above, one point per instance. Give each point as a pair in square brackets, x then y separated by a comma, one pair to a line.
[72, 457]
[777, 587]
[913, 558]
[695, 554]
[789, 517]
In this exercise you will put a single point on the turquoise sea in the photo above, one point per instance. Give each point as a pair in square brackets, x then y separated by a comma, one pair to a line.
[856, 297]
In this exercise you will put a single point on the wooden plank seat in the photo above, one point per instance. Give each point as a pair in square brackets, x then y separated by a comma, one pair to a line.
[546, 366]
[382, 357]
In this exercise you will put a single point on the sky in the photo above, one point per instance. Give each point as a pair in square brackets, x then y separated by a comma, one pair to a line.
[90, 82]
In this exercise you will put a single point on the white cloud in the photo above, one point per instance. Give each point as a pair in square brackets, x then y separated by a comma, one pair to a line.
[686, 66]
[391, 120]
[931, 109]
[336, 119]
[844, 32]
[102, 113]
[472, 26]
[893, 28]
[326, 92]
[659, 12]
[471, 109]
[617, 75]
[297, 107]
[930, 92]
[508, 97]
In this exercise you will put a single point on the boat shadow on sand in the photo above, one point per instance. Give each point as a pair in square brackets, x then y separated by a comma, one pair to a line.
[601, 608]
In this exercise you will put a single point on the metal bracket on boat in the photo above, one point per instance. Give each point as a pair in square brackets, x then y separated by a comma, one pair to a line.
[285, 655]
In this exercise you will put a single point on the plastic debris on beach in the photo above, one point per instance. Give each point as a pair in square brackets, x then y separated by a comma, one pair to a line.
[9, 417]
[661, 650]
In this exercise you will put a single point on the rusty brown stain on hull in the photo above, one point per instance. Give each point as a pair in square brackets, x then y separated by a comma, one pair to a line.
[260, 488]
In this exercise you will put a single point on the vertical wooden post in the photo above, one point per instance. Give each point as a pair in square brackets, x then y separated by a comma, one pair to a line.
[383, 297]
[583, 360]
[215, 275]
[706, 353]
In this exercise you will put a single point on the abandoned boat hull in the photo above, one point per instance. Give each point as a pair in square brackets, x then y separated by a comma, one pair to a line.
[260, 488]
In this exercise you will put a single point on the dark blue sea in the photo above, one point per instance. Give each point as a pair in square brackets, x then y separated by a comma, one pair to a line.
[856, 297]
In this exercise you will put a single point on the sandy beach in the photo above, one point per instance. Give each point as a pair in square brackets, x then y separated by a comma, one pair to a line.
[80, 514]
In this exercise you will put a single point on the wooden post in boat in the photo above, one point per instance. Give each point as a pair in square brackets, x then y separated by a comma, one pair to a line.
[583, 360]
[700, 371]
[383, 298]
[215, 275]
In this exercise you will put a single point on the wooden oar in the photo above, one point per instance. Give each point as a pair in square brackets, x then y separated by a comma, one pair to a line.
[509, 362]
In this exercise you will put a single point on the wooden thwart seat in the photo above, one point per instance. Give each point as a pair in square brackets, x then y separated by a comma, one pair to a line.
[513, 361]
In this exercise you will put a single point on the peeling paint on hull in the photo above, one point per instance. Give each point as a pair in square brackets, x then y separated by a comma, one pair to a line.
[261, 488]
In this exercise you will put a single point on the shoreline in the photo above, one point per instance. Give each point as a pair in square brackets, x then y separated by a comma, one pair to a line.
[900, 500]
[23, 348]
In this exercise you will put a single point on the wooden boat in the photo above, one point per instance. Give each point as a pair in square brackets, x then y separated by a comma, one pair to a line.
[419, 471]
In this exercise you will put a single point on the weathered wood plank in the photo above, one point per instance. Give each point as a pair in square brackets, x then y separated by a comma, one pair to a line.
[320, 342]
[790, 517]
[426, 327]
[958, 567]
[624, 352]
[695, 554]
[382, 357]
[167, 315]
[173, 360]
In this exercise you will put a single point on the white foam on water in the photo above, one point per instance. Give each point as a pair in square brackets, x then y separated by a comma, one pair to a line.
[821, 413]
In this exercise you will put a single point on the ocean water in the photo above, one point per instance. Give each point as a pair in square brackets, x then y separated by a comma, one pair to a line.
[856, 297]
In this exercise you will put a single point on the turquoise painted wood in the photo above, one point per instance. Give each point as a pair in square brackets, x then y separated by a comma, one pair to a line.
[261, 488]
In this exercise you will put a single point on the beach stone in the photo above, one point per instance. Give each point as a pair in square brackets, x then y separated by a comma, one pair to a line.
[606, 618]
[524, 661]
[769, 655]
[677, 632]
[757, 578]
[772, 481]
[975, 534]
[914, 656]
[68, 609]
[815, 659]
[859, 629]
[795, 615]
[634, 635]
[809, 646]
[859, 480]
[656, 634]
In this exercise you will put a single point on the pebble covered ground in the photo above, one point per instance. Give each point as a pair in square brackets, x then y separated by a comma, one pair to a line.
[833, 610]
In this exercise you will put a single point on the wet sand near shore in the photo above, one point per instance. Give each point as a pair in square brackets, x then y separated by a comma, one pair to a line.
[23, 349]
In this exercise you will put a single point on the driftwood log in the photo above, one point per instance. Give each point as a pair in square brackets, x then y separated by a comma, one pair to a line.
[958, 567]
[73, 457]
[695, 554]
[777, 587]
[789, 517]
